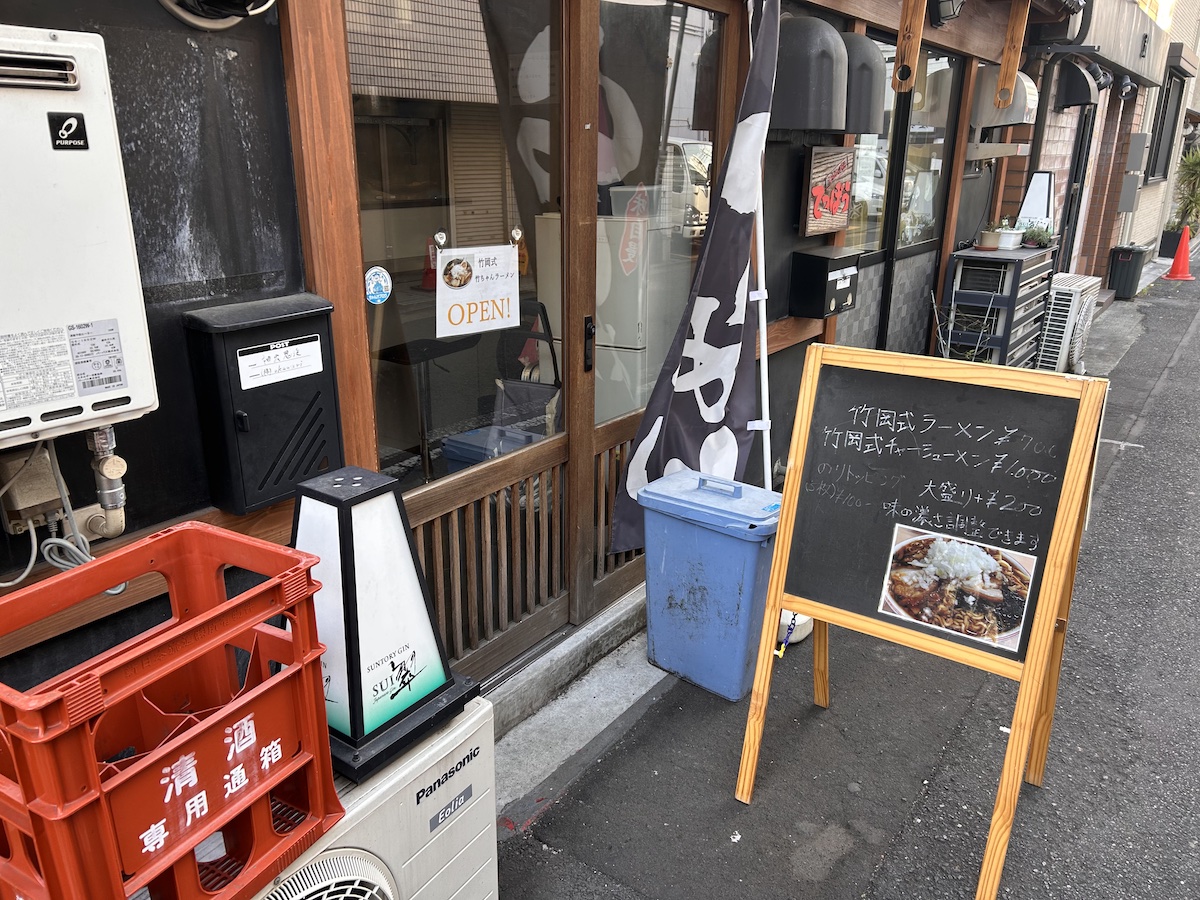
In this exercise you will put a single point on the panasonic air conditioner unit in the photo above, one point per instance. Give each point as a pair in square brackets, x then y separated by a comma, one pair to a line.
[1070, 309]
[423, 828]
[74, 348]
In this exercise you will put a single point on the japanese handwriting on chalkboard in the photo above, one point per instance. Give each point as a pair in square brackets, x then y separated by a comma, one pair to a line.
[970, 526]
[896, 421]
[836, 438]
[959, 495]
[849, 474]
[837, 495]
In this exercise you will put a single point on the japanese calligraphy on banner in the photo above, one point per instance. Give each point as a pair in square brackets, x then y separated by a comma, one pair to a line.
[699, 411]
[827, 190]
[477, 290]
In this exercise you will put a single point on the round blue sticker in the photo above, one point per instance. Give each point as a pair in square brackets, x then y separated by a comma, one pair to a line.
[379, 284]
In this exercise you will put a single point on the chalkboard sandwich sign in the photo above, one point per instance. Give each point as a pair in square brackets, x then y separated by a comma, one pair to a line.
[937, 504]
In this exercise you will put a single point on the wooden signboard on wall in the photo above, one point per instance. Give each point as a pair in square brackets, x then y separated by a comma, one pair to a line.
[827, 190]
[939, 505]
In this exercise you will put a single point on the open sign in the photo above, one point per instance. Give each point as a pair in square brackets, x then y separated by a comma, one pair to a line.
[477, 290]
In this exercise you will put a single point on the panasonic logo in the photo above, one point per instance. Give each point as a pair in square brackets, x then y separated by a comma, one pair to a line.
[426, 792]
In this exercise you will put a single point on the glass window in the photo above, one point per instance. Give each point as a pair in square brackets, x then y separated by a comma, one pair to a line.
[458, 137]
[656, 92]
[1166, 120]
[865, 231]
[401, 162]
[924, 151]
[923, 189]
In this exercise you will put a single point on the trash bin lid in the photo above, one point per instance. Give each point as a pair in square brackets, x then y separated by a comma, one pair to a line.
[484, 443]
[742, 510]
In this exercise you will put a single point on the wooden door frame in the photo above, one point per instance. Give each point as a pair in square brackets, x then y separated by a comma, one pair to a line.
[580, 54]
[317, 74]
[316, 69]
[580, 50]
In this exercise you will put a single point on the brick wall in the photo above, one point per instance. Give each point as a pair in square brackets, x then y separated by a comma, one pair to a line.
[1058, 141]
[1101, 226]
[1055, 155]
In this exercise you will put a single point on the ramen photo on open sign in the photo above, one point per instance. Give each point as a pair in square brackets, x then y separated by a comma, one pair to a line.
[477, 290]
[953, 584]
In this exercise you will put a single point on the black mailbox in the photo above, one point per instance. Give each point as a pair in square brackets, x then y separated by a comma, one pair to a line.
[267, 395]
[824, 282]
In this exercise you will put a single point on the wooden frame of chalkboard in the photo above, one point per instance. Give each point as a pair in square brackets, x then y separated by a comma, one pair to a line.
[939, 505]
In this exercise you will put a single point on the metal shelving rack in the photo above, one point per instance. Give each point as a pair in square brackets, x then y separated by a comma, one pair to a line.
[993, 305]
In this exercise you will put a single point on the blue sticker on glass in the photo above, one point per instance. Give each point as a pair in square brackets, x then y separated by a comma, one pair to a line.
[379, 284]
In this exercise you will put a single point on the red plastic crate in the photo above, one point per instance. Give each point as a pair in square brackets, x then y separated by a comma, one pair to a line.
[114, 773]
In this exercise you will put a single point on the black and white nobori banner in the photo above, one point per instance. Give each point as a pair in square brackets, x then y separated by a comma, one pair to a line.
[699, 412]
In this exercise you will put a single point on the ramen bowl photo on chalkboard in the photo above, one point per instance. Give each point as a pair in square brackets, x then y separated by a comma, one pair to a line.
[954, 584]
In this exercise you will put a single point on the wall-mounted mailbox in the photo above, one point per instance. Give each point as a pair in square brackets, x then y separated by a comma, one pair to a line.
[824, 282]
[267, 395]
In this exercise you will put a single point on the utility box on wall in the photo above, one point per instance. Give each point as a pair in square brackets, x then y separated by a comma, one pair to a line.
[824, 282]
[74, 347]
[267, 395]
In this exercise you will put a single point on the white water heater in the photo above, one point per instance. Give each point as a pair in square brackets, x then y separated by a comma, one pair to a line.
[74, 348]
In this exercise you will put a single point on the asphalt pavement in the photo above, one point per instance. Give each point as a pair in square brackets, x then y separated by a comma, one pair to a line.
[888, 793]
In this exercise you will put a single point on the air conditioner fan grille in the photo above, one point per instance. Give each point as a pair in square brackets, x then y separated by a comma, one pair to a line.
[341, 874]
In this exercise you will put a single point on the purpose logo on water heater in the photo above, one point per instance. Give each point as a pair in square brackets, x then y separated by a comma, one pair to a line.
[67, 131]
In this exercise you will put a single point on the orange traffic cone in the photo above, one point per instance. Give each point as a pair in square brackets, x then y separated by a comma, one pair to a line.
[1179, 267]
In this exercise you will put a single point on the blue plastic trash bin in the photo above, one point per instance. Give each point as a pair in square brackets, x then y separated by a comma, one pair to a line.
[708, 558]
[479, 444]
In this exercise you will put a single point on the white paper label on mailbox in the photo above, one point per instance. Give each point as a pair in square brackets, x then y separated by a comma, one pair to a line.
[279, 361]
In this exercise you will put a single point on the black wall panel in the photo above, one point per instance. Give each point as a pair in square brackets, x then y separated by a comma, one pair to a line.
[204, 131]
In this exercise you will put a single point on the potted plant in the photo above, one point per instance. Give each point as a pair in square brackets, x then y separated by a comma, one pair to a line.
[1037, 236]
[989, 237]
[1168, 241]
[1000, 237]
[1187, 203]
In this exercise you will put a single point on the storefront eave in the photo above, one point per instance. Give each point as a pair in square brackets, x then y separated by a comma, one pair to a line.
[1125, 38]
[979, 31]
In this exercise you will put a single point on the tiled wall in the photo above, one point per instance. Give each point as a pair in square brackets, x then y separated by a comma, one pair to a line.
[1100, 223]
[911, 307]
[858, 327]
[419, 49]
[912, 303]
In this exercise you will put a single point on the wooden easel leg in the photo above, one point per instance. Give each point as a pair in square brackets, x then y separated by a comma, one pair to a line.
[758, 698]
[820, 639]
[1029, 698]
[1039, 746]
[1035, 770]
